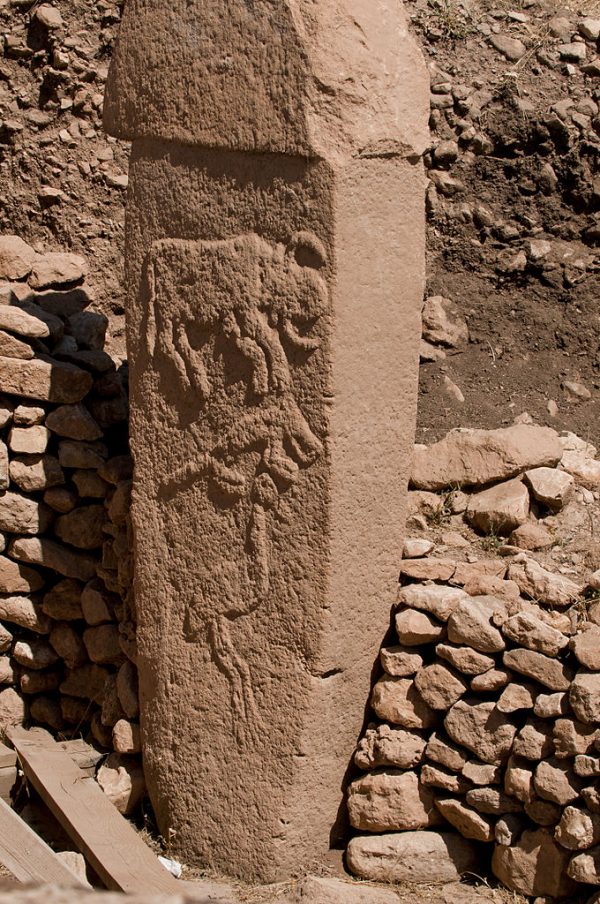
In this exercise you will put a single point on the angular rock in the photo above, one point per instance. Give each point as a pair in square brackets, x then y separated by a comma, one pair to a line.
[90, 485]
[122, 780]
[549, 672]
[550, 486]
[397, 701]
[15, 320]
[87, 682]
[4, 467]
[542, 585]
[32, 682]
[415, 628]
[102, 644]
[427, 569]
[528, 631]
[584, 696]
[481, 729]
[439, 686]
[586, 646]
[16, 578]
[51, 381]
[413, 857]
[12, 709]
[57, 269]
[416, 547]
[466, 820]
[533, 865]
[41, 551]
[16, 257]
[554, 780]
[32, 473]
[482, 773]
[34, 654]
[24, 612]
[443, 324]
[126, 737]
[68, 644]
[543, 812]
[492, 801]
[499, 510]
[11, 347]
[83, 527]
[23, 515]
[534, 740]
[507, 829]
[73, 422]
[390, 800]
[28, 440]
[550, 706]
[572, 738]
[399, 661]
[443, 751]
[586, 766]
[76, 454]
[511, 48]
[470, 624]
[128, 694]
[465, 659]
[63, 602]
[60, 499]
[578, 829]
[516, 696]
[434, 777]
[379, 746]
[468, 457]
[438, 600]
[532, 536]
[584, 469]
[518, 779]
[585, 867]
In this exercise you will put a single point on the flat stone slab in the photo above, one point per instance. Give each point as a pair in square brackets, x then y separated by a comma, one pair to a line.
[51, 381]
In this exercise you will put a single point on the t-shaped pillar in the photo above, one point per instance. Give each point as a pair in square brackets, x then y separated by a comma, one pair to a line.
[275, 269]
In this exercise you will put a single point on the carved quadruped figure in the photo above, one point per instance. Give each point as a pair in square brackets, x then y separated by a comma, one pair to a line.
[261, 299]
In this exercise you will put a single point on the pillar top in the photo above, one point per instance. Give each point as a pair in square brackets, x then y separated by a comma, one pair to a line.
[319, 78]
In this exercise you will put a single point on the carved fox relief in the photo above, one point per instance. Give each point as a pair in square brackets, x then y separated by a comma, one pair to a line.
[254, 306]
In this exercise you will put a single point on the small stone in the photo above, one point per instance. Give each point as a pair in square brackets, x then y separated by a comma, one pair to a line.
[16, 578]
[549, 672]
[539, 584]
[577, 829]
[411, 857]
[499, 510]
[73, 422]
[532, 536]
[90, 485]
[482, 773]
[518, 779]
[415, 628]
[533, 865]
[24, 612]
[56, 269]
[34, 654]
[465, 659]
[492, 801]
[22, 515]
[530, 632]
[122, 780]
[41, 551]
[508, 828]
[14, 319]
[493, 680]
[60, 499]
[75, 454]
[470, 624]
[586, 766]
[591, 797]
[534, 740]
[481, 729]
[32, 473]
[589, 28]
[439, 687]
[16, 257]
[551, 487]
[102, 644]
[515, 697]
[83, 527]
[584, 696]
[443, 751]
[585, 867]
[126, 737]
[87, 682]
[437, 600]
[433, 776]
[397, 700]
[390, 800]
[68, 644]
[511, 48]
[11, 347]
[28, 440]
[467, 821]
[572, 738]
[584, 469]
[97, 604]
[553, 780]
[586, 646]
[427, 569]
[443, 324]
[48, 16]
[127, 692]
[550, 706]
[12, 709]
[380, 745]
[400, 662]
[574, 52]
[543, 812]
[416, 548]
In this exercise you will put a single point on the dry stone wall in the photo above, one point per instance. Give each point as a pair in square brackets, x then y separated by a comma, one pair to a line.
[486, 725]
[67, 634]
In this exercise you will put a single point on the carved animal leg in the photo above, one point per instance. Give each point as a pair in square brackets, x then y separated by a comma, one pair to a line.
[268, 339]
[278, 461]
[247, 722]
[253, 354]
[259, 550]
[295, 338]
[191, 360]
[306, 446]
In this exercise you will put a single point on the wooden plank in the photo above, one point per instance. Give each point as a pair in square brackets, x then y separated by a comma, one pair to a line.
[27, 857]
[8, 757]
[8, 777]
[105, 838]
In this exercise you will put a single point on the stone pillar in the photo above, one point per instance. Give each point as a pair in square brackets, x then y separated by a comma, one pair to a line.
[275, 267]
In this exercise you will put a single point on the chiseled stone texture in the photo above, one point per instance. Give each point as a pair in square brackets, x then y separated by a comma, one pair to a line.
[272, 421]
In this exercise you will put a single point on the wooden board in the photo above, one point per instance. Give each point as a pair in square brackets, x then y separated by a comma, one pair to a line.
[27, 857]
[107, 841]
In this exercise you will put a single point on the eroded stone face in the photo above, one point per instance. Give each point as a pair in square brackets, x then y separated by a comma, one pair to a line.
[273, 344]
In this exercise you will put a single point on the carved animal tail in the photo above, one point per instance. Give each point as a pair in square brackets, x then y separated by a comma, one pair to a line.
[248, 725]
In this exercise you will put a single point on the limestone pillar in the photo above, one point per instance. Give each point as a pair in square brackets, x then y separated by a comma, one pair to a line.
[275, 270]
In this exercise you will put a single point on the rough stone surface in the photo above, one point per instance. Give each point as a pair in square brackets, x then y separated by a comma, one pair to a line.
[585, 867]
[122, 780]
[17, 578]
[51, 381]
[400, 661]
[465, 659]
[501, 509]
[549, 672]
[438, 600]
[533, 865]
[555, 781]
[397, 700]
[439, 686]
[482, 729]
[529, 631]
[45, 552]
[23, 515]
[584, 696]
[379, 746]
[470, 624]
[415, 628]
[543, 585]
[55, 269]
[32, 473]
[390, 800]
[468, 457]
[466, 820]
[578, 829]
[412, 857]
[73, 422]
[586, 647]
[551, 487]
[16, 257]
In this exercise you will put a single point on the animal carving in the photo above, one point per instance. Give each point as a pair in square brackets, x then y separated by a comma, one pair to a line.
[264, 302]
